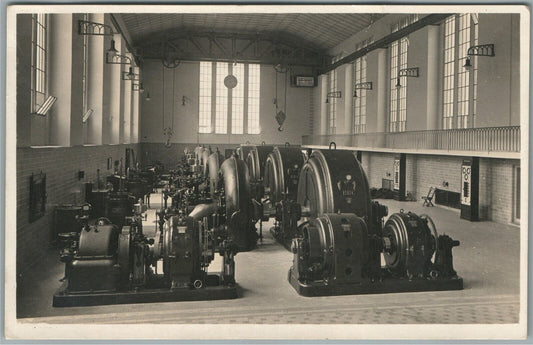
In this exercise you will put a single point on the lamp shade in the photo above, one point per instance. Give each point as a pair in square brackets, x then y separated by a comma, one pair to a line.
[112, 48]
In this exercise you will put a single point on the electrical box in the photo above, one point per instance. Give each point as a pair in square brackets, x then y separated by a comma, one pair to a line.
[470, 189]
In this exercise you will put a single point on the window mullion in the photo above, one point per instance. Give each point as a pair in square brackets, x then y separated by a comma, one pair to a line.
[213, 97]
[230, 102]
[456, 73]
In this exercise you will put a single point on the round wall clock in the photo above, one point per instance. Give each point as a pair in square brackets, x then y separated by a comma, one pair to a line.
[230, 81]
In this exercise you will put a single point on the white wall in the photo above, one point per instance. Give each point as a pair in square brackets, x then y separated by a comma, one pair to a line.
[498, 84]
[186, 83]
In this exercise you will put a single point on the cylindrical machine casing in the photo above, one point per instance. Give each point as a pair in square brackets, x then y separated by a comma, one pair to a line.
[333, 181]
[213, 167]
[333, 248]
[243, 150]
[256, 161]
[99, 241]
[409, 245]
[238, 203]
[204, 159]
[93, 268]
[282, 171]
[181, 251]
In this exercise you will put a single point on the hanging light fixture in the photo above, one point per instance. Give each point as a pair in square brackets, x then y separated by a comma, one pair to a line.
[112, 49]
[130, 74]
[406, 72]
[467, 65]
[148, 96]
[367, 85]
[479, 50]
[398, 84]
[141, 88]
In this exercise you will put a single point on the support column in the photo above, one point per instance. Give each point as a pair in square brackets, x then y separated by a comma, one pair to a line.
[95, 83]
[348, 101]
[432, 111]
[23, 72]
[126, 106]
[113, 79]
[60, 81]
[340, 127]
[382, 91]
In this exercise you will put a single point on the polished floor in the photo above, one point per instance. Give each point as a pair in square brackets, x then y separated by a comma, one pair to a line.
[487, 259]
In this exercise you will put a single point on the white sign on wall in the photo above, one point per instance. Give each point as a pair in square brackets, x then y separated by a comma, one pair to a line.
[466, 182]
[396, 174]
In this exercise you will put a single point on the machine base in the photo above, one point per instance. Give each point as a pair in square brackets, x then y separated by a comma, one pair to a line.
[390, 285]
[62, 298]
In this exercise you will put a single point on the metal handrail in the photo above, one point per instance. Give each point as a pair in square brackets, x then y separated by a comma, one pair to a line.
[485, 139]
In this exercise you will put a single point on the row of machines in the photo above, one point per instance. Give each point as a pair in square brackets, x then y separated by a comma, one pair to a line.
[116, 260]
[342, 244]
[319, 201]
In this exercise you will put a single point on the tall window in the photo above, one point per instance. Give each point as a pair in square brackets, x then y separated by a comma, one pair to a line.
[39, 82]
[398, 96]
[244, 109]
[332, 101]
[359, 102]
[206, 79]
[460, 84]
[253, 98]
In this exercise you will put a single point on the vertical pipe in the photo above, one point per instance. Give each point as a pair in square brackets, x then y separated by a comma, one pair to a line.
[126, 106]
[134, 137]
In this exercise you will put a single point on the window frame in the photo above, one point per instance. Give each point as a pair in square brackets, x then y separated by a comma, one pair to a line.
[229, 111]
[39, 61]
[359, 102]
[461, 111]
[398, 95]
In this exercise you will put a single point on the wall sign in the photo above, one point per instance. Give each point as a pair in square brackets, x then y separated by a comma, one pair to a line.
[396, 172]
[466, 183]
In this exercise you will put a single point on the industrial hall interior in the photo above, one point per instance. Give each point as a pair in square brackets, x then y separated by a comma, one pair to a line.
[248, 167]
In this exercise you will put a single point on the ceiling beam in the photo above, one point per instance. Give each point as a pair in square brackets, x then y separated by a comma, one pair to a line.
[385, 41]
[226, 48]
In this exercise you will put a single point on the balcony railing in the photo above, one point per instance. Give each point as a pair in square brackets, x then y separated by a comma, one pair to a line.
[489, 139]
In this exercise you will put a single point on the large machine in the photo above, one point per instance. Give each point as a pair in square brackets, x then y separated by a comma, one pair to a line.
[109, 264]
[322, 209]
[281, 176]
[338, 249]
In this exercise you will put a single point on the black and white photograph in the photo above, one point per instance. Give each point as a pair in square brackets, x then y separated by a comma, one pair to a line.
[266, 172]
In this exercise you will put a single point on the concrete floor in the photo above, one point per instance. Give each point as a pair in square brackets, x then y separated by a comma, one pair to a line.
[487, 260]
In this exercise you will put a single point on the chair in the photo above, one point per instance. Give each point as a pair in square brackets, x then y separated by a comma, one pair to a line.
[428, 200]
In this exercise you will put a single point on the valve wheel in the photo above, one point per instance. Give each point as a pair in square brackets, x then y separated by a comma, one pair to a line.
[198, 284]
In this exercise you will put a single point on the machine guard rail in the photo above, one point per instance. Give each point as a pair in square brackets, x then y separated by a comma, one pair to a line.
[488, 139]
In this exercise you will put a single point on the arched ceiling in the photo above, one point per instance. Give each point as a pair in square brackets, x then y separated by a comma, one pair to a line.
[268, 38]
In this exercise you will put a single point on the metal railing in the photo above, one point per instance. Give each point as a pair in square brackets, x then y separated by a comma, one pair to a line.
[488, 139]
